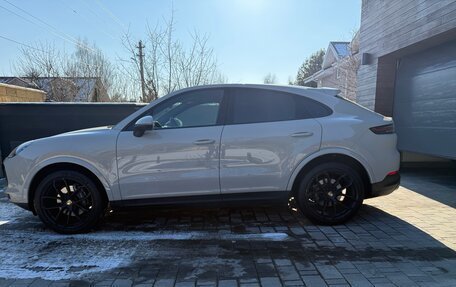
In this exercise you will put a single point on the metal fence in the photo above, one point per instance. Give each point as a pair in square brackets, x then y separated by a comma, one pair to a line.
[20, 122]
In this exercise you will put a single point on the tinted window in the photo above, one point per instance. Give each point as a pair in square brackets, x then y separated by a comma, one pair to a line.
[308, 108]
[192, 109]
[256, 105]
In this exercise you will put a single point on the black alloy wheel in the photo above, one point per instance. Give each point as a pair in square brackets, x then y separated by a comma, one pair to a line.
[331, 193]
[68, 202]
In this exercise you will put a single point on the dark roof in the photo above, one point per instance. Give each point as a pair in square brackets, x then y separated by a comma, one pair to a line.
[16, 81]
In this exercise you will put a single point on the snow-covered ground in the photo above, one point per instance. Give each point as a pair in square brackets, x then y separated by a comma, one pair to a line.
[406, 238]
[28, 250]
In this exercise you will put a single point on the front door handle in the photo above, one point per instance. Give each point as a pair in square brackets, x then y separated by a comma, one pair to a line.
[204, 141]
[302, 134]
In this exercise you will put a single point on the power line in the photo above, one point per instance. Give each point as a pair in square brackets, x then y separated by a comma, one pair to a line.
[86, 19]
[34, 48]
[18, 15]
[54, 30]
[98, 16]
[20, 43]
[65, 37]
[111, 14]
[88, 7]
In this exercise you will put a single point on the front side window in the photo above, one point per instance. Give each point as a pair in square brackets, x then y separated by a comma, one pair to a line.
[258, 105]
[191, 109]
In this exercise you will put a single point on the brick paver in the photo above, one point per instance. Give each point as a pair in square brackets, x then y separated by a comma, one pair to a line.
[405, 239]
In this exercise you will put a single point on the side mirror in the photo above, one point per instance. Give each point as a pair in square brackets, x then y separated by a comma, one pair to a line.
[142, 125]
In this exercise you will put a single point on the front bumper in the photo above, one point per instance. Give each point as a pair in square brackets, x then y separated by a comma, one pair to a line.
[15, 172]
[386, 186]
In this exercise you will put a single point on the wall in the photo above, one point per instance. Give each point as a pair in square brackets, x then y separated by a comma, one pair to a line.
[10, 93]
[389, 26]
[329, 80]
[21, 122]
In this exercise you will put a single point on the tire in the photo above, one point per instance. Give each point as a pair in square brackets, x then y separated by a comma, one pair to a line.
[69, 202]
[330, 193]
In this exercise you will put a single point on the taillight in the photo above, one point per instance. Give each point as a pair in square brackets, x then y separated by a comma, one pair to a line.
[384, 129]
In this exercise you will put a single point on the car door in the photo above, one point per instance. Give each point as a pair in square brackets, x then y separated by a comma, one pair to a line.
[267, 134]
[181, 155]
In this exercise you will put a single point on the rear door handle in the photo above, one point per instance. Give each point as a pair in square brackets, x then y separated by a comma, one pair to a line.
[302, 134]
[204, 141]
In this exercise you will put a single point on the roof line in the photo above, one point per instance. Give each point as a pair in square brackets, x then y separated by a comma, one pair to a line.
[21, 88]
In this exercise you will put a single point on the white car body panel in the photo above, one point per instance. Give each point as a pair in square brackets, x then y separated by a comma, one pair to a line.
[93, 149]
[259, 157]
[253, 157]
[169, 162]
[328, 151]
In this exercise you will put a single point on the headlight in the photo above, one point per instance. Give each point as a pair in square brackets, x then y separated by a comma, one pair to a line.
[19, 149]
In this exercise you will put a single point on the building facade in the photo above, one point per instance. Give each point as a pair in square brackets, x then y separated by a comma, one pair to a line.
[63, 89]
[339, 68]
[11, 93]
[408, 71]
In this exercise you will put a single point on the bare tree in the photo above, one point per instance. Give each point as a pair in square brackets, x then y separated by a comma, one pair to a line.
[44, 60]
[123, 89]
[62, 90]
[270, 79]
[91, 64]
[346, 70]
[40, 60]
[168, 64]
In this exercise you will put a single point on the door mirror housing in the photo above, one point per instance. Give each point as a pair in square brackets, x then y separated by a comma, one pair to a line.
[142, 125]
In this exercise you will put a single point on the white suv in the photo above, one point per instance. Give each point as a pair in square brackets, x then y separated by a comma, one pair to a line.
[224, 143]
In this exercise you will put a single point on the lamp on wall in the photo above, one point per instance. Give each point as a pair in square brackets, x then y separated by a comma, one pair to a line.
[366, 59]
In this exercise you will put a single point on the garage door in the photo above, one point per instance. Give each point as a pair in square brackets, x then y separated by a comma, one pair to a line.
[425, 102]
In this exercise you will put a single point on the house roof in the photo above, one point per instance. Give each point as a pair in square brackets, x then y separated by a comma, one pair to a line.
[85, 85]
[342, 49]
[336, 51]
[16, 81]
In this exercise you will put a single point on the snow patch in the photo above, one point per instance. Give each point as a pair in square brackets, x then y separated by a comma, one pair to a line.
[162, 235]
[32, 255]
[29, 251]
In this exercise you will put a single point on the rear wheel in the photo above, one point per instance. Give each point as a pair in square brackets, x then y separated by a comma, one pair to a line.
[331, 193]
[68, 202]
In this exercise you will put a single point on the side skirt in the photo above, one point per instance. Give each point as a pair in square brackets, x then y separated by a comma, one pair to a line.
[214, 200]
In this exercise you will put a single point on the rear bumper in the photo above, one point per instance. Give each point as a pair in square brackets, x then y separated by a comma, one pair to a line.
[386, 186]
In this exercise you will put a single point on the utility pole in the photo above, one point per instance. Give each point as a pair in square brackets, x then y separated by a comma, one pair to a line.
[141, 68]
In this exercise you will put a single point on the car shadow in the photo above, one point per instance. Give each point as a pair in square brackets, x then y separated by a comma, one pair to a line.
[372, 229]
[436, 183]
[373, 237]
[208, 243]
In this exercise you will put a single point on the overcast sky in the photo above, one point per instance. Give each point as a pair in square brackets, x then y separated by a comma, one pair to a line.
[250, 37]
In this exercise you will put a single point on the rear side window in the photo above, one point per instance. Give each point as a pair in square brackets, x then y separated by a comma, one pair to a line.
[308, 108]
[256, 106]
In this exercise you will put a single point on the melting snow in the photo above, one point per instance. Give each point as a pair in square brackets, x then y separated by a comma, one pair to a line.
[28, 251]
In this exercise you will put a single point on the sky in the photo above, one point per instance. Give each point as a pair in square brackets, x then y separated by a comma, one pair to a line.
[250, 38]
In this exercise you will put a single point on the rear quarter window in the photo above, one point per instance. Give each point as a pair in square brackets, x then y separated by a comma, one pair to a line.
[250, 105]
[311, 108]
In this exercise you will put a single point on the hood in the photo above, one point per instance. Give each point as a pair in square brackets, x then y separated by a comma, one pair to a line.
[89, 130]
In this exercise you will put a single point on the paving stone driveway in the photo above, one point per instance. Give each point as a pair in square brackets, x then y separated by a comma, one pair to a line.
[405, 239]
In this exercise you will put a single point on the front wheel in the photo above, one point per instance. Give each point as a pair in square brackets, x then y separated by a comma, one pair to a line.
[68, 202]
[330, 193]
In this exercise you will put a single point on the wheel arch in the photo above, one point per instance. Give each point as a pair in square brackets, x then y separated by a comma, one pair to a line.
[44, 171]
[340, 157]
